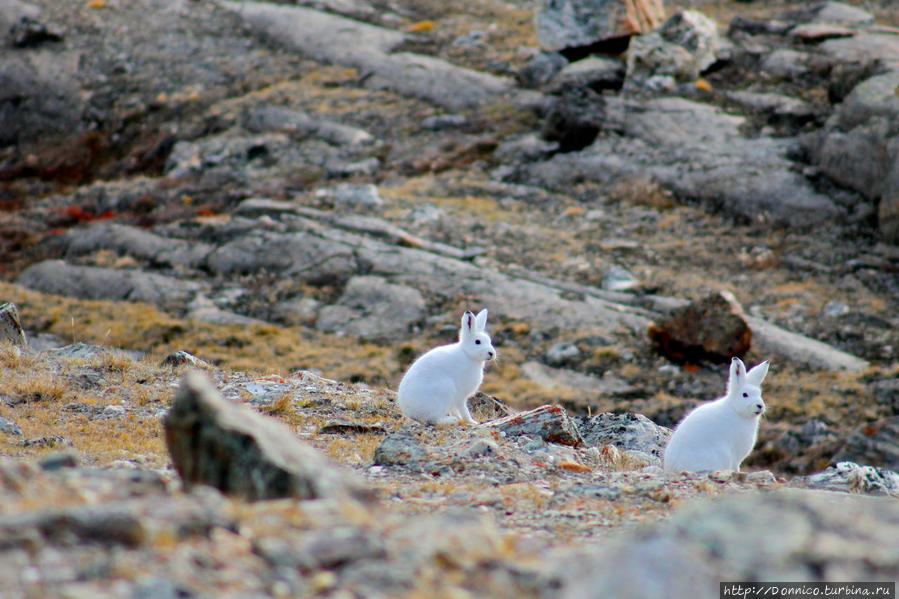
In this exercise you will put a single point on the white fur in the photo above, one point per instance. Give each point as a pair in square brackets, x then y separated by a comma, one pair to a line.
[718, 435]
[437, 386]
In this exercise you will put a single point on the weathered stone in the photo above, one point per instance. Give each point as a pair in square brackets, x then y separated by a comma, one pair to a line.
[243, 453]
[8, 427]
[683, 47]
[575, 118]
[133, 241]
[324, 549]
[351, 195]
[550, 423]
[68, 458]
[785, 63]
[183, 358]
[371, 308]
[48, 441]
[597, 73]
[780, 535]
[554, 378]
[713, 328]
[10, 327]
[796, 441]
[629, 431]
[338, 427]
[775, 340]
[301, 125]
[576, 23]
[859, 148]
[334, 39]
[401, 449]
[853, 478]
[91, 282]
[698, 152]
[873, 444]
[307, 257]
[40, 96]
[28, 33]
[541, 69]
[830, 12]
[561, 354]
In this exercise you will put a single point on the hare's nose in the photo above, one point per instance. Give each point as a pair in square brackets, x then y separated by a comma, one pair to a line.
[490, 354]
[759, 407]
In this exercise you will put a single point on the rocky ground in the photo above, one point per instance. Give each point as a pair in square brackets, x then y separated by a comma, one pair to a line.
[292, 192]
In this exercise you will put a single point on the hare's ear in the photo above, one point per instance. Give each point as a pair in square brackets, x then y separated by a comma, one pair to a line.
[737, 375]
[757, 374]
[480, 321]
[467, 328]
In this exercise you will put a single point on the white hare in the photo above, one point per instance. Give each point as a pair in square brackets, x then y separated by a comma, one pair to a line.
[437, 386]
[718, 435]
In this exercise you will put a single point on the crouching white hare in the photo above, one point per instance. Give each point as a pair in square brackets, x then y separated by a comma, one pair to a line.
[720, 434]
[437, 386]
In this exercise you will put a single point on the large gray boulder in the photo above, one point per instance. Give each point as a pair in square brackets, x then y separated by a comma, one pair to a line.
[243, 453]
[629, 431]
[699, 152]
[92, 282]
[859, 147]
[372, 308]
[782, 535]
[683, 47]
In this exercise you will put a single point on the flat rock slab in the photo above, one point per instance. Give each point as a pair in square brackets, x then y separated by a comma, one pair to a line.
[92, 282]
[338, 40]
[550, 423]
[245, 454]
[699, 152]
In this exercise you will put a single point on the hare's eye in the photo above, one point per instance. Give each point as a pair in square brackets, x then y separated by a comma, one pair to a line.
[745, 395]
[477, 341]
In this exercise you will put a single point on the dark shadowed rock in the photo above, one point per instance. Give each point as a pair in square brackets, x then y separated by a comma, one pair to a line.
[575, 118]
[243, 453]
[873, 444]
[371, 308]
[713, 328]
[781, 535]
[40, 96]
[630, 431]
[10, 327]
[550, 423]
[577, 23]
[91, 282]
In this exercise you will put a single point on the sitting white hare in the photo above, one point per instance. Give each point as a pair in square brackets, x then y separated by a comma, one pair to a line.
[720, 434]
[437, 386]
